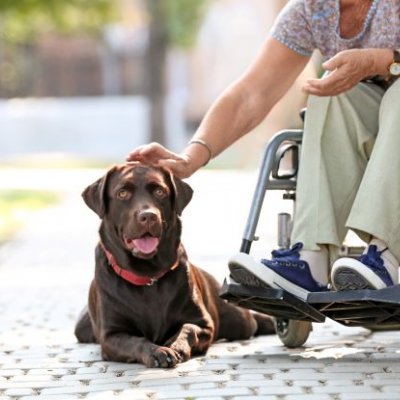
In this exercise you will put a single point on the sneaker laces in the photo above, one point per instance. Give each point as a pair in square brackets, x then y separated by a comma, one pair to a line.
[373, 259]
[285, 253]
[291, 258]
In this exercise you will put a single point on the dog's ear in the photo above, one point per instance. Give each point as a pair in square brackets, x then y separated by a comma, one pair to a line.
[182, 193]
[95, 194]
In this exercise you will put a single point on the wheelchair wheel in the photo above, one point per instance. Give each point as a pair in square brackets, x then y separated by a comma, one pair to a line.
[292, 333]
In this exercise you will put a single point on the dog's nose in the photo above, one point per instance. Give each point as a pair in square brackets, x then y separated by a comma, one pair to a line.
[147, 217]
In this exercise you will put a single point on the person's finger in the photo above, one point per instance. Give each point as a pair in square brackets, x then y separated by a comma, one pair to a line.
[148, 153]
[334, 83]
[176, 167]
[317, 87]
[137, 153]
[158, 152]
[333, 63]
[328, 88]
[323, 90]
[133, 157]
[338, 89]
[326, 80]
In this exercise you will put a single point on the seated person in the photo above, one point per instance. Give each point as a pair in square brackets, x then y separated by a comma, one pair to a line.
[349, 175]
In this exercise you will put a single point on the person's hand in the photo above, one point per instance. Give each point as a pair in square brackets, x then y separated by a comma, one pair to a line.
[157, 155]
[347, 69]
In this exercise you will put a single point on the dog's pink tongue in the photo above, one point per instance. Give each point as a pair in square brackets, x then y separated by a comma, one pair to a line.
[146, 244]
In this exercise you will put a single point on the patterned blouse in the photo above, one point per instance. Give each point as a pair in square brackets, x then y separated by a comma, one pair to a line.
[306, 25]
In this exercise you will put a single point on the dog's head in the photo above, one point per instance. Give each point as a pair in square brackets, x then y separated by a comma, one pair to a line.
[139, 206]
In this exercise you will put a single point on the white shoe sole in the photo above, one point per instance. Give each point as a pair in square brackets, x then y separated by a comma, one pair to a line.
[242, 266]
[351, 274]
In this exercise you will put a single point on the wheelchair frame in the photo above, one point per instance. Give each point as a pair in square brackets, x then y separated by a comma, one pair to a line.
[373, 309]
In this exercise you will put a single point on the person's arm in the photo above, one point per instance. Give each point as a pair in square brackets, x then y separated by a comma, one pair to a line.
[239, 109]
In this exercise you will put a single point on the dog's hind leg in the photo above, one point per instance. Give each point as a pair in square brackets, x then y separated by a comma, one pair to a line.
[84, 329]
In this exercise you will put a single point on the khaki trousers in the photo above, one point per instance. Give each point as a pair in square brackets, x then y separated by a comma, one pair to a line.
[349, 175]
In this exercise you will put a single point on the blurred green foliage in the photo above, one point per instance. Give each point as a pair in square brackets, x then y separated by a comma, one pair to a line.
[183, 18]
[22, 20]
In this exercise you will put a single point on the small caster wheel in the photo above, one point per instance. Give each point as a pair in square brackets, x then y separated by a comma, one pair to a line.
[293, 333]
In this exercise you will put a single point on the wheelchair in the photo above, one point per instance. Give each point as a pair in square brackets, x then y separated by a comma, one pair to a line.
[372, 309]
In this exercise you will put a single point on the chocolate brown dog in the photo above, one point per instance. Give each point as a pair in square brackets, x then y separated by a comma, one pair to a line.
[147, 302]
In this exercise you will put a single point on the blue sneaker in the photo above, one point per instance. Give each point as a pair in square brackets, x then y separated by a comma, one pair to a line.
[372, 270]
[284, 271]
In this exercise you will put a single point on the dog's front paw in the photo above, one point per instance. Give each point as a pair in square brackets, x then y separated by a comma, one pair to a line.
[162, 357]
[183, 350]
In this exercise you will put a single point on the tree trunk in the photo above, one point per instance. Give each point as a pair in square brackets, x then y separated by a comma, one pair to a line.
[156, 70]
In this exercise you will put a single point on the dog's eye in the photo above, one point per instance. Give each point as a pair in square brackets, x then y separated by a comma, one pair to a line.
[159, 192]
[122, 194]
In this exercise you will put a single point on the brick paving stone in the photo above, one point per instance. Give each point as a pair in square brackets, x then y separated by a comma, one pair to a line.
[306, 364]
[221, 365]
[248, 376]
[89, 377]
[263, 397]
[125, 367]
[382, 356]
[253, 397]
[183, 380]
[207, 385]
[132, 394]
[280, 390]
[49, 371]
[339, 390]
[274, 382]
[173, 387]
[92, 370]
[11, 372]
[333, 381]
[369, 368]
[255, 370]
[32, 378]
[322, 376]
[391, 388]
[51, 397]
[384, 375]
[222, 392]
[100, 380]
[31, 365]
[224, 398]
[154, 374]
[369, 396]
[78, 388]
[35, 384]
[18, 392]
[310, 397]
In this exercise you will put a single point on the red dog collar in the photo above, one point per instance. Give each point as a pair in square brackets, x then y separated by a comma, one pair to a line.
[130, 276]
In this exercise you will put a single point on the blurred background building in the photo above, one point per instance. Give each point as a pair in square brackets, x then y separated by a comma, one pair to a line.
[91, 80]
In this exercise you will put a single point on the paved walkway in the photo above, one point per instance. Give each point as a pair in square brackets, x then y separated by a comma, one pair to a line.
[44, 278]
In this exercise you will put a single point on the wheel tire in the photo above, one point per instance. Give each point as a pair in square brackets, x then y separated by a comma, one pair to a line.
[292, 333]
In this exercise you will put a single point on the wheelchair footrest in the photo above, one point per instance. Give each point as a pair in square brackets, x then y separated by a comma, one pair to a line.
[275, 302]
[376, 309]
